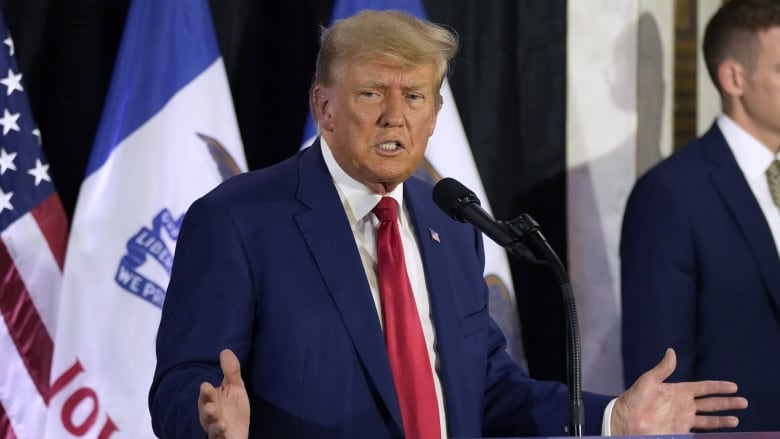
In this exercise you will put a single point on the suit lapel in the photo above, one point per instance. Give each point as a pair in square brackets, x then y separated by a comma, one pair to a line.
[323, 225]
[732, 186]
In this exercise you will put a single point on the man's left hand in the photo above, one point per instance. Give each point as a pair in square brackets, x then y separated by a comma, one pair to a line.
[651, 406]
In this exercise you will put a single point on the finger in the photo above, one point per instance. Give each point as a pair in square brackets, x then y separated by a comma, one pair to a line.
[664, 369]
[207, 409]
[713, 422]
[704, 388]
[207, 393]
[719, 404]
[207, 413]
[216, 431]
[231, 368]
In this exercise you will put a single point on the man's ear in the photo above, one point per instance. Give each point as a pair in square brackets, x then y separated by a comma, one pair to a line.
[731, 77]
[321, 106]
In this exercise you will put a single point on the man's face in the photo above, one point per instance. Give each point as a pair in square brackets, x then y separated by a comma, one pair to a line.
[761, 91]
[377, 119]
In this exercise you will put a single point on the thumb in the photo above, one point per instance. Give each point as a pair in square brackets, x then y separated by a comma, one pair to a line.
[664, 369]
[231, 368]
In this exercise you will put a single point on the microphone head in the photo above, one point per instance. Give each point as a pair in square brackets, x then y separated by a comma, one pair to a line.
[451, 197]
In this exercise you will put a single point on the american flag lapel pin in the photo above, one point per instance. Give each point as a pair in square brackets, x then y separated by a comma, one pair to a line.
[434, 235]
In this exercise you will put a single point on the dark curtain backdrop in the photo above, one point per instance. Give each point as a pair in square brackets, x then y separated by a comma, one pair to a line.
[508, 81]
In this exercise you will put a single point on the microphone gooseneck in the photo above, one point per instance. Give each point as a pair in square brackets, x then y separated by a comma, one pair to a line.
[516, 236]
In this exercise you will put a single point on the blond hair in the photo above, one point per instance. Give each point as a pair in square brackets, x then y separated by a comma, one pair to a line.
[396, 36]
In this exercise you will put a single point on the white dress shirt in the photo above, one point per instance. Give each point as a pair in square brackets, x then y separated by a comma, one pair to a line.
[753, 158]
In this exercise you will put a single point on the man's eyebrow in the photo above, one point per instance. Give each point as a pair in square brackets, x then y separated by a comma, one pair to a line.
[373, 83]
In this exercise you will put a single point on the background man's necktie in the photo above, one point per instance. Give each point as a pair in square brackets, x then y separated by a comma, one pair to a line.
[409, 362]
[773, 179]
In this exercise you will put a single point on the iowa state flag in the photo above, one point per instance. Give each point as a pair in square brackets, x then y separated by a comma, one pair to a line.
[449, 155]
[168, 135]
[33, 231]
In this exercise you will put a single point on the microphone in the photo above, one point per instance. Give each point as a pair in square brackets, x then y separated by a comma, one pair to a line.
[461, 204]
[457, 201]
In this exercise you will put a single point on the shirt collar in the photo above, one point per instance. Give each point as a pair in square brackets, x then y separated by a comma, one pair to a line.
[751, 155]
[357, 197]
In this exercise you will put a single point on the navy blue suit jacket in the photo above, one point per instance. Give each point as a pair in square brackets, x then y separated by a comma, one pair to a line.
[701, 274]
[267, 265]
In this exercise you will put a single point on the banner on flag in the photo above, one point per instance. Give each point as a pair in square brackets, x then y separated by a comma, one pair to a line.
[33, 232]
[167, 136]
[449, 154]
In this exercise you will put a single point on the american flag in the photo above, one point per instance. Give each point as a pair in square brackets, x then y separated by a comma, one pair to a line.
[33, 232]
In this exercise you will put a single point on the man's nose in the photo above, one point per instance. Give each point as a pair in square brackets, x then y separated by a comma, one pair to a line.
[393, 113]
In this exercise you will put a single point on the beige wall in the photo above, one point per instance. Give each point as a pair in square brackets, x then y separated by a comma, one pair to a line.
[619, 122]
[707, 98]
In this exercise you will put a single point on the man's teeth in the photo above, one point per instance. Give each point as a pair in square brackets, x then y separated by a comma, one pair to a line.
[389, 146]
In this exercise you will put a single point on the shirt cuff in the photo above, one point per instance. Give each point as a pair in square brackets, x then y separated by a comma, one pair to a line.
[606, 429]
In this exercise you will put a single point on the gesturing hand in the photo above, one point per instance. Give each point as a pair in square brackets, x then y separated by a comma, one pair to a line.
[651, 406]
[224, 410]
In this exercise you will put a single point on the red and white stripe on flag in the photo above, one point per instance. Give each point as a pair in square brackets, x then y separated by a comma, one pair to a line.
[33, 233]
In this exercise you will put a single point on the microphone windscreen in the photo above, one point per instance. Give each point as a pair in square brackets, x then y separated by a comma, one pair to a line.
[451, 196]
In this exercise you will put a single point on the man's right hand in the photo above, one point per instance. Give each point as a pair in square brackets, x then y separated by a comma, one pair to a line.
[224, 411]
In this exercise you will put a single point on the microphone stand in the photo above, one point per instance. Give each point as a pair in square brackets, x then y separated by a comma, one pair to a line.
[528, 233]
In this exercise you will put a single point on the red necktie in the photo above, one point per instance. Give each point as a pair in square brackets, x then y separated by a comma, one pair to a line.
[406, 347]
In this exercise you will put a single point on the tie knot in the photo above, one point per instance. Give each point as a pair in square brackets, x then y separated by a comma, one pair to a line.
[774, 169]
[773, 179]
[386, 209]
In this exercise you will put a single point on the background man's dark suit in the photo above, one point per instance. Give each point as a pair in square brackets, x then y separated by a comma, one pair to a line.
[276, 260]
[701, 274]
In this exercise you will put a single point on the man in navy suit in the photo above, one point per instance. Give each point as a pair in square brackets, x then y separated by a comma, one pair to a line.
[280, 267]
[699, 248]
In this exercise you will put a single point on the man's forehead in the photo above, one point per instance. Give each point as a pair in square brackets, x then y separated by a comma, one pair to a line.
[382, 70]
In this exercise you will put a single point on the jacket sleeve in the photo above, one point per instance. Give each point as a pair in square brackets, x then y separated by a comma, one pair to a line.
[208, 307]
[658, 277]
